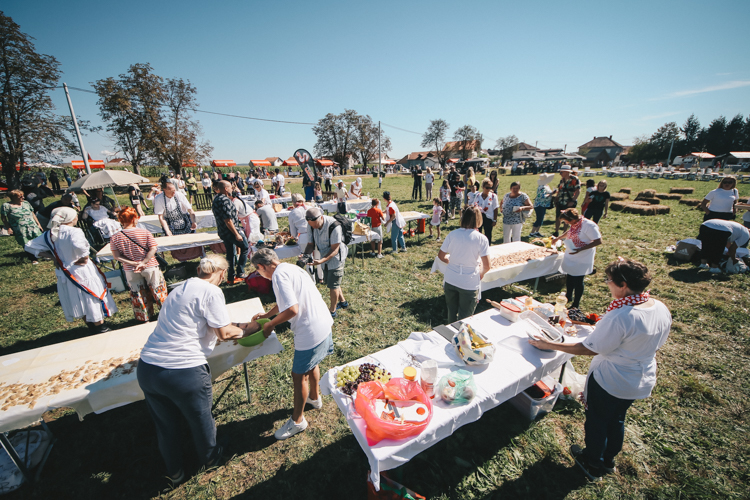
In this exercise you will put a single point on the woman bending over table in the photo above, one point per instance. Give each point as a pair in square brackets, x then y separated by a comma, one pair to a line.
[81, 287]
[624, 345]
[173, 371]
[466, 251]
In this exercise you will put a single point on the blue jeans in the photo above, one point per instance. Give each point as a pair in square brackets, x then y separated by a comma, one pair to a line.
[309, 192]
[171, 393]
[230, 243]
[540, 212]
[397, 237]
[605, 424]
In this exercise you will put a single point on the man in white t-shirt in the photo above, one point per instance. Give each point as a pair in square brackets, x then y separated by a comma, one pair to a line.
[175, 212]
[299, 302]
[278, 182]
[341, 196]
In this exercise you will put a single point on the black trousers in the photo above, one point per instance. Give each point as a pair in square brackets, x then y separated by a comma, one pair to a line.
[574, 289]
[417, 187]
[713, 243]
[486, 227]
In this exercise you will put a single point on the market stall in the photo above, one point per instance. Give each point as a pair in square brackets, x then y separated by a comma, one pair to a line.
[516, 366]
[98, 373]
[510, 264]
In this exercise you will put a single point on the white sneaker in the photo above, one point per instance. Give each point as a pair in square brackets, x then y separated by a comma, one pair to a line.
[714, 270]
[403, 250]
[316, 403]
[703, 266]
[290, 428]
[438, 239]
[380, 256]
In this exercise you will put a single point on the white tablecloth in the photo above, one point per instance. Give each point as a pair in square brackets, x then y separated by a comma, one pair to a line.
[38, 365]
[512, 274]
[363, 203]
[251, 199]
[204, 219]
[517, 365]
[410, 216]
[168, 243]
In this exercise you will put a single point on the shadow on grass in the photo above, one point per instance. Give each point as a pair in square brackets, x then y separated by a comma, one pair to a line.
[696, 276]
[46, 290]
[545, 480]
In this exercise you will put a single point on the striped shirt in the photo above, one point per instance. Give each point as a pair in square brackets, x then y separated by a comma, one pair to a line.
[130, 250]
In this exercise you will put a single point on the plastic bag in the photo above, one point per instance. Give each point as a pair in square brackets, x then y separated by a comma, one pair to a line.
[396, 389]
[473, 347]
[457, 388]
[573, 383]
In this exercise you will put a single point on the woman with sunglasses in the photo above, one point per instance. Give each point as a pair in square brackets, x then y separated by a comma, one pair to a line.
[721, 203]
[624, 345]
[581, 240]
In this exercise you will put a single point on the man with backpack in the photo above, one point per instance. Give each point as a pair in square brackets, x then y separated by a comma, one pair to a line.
[329, 235]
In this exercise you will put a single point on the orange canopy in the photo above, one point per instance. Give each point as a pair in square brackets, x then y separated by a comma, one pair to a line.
[223, 163]
[260, 163]
[291, 162]
[388, 162]
[453, 160]
[78, 164]
[189, 163]
[325, 163]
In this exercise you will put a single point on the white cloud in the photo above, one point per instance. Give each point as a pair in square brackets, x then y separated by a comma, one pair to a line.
[662, 115]
[107, 152]
[711, 88]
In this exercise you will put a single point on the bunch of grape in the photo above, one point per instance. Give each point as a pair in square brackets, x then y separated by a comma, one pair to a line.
[349, 377]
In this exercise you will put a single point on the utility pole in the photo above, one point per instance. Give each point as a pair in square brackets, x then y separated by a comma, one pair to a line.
[669, 158]
[78, 132]
[380, 160]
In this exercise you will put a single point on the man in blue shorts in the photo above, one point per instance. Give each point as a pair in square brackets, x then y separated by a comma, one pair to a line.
[299, 302]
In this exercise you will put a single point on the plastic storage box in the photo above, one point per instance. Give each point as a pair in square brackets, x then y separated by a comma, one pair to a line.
[530, 407]
[115, 281]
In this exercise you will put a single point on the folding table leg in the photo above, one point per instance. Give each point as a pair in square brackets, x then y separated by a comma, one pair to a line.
[247, 382]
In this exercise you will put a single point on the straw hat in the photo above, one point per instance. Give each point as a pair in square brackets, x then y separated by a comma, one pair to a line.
[545, 179]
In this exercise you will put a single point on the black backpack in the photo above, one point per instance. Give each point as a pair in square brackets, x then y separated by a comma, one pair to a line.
[346, 228]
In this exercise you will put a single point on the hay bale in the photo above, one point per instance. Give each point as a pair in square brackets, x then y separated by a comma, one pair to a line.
[618, 196]
[691, 202]
[618, 206]
[646, 193]
[682, 190]
[670, 196]
[647, 210]
[650, 201]
[626, 190]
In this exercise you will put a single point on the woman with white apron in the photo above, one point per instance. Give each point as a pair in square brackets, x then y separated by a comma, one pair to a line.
[466, 251]
[394, 218]
[81, 287]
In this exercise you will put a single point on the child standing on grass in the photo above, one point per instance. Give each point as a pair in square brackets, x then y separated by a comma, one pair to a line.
[437, 216]
[445, 197]
[318, 193]
[589, 189]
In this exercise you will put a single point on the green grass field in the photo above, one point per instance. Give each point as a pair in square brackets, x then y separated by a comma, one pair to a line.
[689, 440]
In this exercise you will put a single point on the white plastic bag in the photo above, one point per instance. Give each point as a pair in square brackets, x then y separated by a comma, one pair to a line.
[573, 383]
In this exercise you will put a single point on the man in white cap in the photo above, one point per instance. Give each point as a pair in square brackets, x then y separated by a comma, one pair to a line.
[327, 235]
[297, 222]
[567, 194]
[341, 196]
[542, 202]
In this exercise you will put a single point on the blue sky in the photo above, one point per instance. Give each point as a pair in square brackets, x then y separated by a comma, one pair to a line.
[553, 72]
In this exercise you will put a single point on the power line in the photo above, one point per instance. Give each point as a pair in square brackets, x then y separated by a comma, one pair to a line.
[401, 129]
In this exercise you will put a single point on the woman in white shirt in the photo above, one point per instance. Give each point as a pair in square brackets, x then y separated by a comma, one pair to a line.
[260, 193]
[429, 179]
[356, 188]
[466, 251]
[173, 371]
[488, 203]
[206, 183]
[721, 202]
[624, 345]
[175, 212]
[581, 238]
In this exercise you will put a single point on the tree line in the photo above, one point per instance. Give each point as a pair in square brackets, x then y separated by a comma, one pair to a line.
[720, 137]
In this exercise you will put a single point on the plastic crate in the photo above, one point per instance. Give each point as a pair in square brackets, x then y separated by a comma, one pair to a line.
[532, 408]
[114, 281]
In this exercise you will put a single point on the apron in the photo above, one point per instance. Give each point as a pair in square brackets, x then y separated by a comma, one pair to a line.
[179, 223]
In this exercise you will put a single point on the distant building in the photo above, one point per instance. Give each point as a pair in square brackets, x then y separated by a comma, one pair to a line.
[601, 151]
[275, 161]
[118, 162]
[456, 148]
[423, 159]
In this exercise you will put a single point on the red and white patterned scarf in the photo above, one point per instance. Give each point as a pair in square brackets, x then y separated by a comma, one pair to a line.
[574, 232]
[630, 300]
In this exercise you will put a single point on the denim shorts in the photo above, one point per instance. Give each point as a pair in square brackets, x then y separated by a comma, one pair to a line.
[304, 361]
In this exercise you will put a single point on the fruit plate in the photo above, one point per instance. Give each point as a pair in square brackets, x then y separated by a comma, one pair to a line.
[367, 360]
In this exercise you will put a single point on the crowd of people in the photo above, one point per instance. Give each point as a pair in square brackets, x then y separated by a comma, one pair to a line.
[173, 371]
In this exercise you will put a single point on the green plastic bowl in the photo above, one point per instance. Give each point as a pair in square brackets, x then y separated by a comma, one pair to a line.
[256, 338]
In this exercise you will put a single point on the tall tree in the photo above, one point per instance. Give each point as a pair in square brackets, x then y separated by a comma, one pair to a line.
[29, 127]
[366, 140]
[467, 139]
[181, 139]
[131, 106]
[734, 133]
[507, 146]
[435, 137]
[336, 136]
[716, 137]
[690, 131]
[661, 141]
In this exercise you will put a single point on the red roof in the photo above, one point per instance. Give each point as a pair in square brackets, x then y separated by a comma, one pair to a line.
[452, 160]
[78, 164]
[223, 163]
[260, 163]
